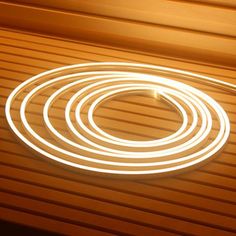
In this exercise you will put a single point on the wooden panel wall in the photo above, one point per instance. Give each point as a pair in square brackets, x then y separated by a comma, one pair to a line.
[180, 29]
[37, 193]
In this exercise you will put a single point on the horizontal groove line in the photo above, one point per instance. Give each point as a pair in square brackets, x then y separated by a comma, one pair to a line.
[132, 133]
[153, 24]
[222, 91]
[97, 213]
[220, 162]
[207, 90]
[210, 4]
[58, 176]
[57, 218]
[200, 170]
[16, 71]
[11, 79]
[105, 186]
[87, 59]
[43, 51]
[131, 122]
[117, 119]
[136, 103]
[117, 109]
[216, 160]
[112, 128]
[138, 208]
[123, 20]
[23, 64]
[225, 102]
[113, 189]
[15, 142]
[120, 120]
[217, 173]
[130, 102]
[35, 58]
[137, 113]
[90, 44]
[186, 192]
[67, 48]
[224, 163]
[209, 184]
[215, 90]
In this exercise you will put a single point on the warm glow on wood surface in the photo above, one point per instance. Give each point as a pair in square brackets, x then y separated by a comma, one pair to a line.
[94, 149]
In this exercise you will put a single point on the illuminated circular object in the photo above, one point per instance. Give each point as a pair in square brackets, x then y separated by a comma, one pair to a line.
[77, 141]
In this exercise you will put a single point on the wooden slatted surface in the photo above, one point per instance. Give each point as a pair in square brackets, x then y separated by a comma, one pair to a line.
[197, 30]
[37, 193]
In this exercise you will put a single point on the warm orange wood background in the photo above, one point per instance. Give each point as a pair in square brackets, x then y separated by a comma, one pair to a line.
[37, 193]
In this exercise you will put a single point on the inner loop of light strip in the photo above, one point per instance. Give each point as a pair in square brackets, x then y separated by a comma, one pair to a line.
[76, 140]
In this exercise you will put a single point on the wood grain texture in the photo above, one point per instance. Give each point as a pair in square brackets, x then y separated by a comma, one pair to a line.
[188, 30]
[40, 194]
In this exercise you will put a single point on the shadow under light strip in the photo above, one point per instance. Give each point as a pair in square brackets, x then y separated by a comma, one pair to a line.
[90, 148]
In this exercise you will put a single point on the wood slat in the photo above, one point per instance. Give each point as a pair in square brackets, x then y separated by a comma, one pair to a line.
[40, 221]
[164, 194]
[163, 12]
[131, 55]
[168, 32]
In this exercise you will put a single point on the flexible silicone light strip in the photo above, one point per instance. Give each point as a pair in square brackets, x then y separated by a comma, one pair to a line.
[101, 152]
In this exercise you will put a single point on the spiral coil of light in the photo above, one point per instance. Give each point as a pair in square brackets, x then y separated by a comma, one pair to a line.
[89, 147]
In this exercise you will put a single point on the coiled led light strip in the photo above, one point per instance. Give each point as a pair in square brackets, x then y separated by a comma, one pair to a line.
[88, 147]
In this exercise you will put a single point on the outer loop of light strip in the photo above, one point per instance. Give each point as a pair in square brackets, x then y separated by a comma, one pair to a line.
[89, 147]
